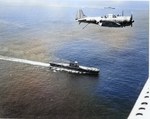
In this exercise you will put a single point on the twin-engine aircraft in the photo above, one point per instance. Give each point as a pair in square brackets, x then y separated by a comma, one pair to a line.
[110, 20]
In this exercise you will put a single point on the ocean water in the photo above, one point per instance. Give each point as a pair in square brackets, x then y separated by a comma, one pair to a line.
[44, 33]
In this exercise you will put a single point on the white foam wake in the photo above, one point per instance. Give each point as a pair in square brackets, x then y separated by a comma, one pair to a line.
[55, 69]
[24, 61]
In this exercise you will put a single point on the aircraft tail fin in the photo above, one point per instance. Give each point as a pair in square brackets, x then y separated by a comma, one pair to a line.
[80, 14]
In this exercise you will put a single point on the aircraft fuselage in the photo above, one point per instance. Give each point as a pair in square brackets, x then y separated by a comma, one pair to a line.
[109, 21]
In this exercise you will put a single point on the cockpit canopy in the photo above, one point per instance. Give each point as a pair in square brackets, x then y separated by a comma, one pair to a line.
[111, 16]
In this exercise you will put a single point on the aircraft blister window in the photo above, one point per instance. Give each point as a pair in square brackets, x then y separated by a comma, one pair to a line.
[144, 103]
[139, 114]
[146, 97]
[141, 108]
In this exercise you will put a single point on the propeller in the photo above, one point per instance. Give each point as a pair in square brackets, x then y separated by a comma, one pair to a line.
[131, 19]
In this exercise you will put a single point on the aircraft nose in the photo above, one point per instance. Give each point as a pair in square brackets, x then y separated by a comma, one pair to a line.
[131, 22]
[131, 18]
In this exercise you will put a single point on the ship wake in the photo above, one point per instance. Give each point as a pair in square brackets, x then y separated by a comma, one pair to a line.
[54, 69]
[23, 61]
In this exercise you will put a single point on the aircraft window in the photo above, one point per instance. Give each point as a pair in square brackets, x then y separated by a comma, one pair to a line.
[141, 108]
[139, 114]
[144, 103]
[147, 91]
[146, 97]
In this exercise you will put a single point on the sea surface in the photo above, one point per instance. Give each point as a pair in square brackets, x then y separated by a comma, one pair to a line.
[45, 33]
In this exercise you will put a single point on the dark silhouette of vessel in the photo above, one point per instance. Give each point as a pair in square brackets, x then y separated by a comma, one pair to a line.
[75, 67]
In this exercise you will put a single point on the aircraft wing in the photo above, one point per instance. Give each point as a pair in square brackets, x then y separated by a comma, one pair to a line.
[141, 108]
[109, 24]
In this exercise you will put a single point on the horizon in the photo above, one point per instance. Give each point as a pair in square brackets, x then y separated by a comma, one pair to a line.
[81, 3]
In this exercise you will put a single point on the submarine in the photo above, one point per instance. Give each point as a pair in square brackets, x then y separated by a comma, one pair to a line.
[75, 67]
